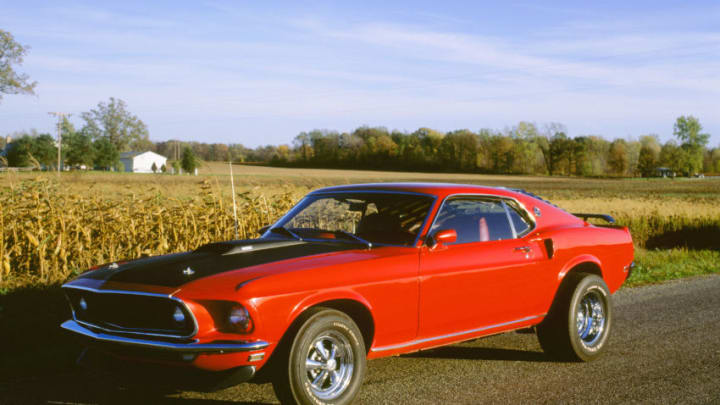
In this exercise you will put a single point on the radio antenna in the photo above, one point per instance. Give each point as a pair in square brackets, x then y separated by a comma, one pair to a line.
[232, 187]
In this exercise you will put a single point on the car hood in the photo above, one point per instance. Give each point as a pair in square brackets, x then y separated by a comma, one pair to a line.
[174, 270]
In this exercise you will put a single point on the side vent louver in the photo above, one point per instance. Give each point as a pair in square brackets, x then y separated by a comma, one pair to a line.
[549, 247]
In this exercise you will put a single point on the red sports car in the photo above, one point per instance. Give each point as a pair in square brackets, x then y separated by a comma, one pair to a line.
[353, 273]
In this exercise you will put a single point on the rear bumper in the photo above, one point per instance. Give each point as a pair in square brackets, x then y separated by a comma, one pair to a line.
[188, 347]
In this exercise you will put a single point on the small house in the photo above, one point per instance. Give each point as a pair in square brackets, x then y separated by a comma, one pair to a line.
[142, 162]
[664, 172]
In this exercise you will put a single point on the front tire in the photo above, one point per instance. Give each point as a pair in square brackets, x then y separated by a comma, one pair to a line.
[325, 363]
[578, 324]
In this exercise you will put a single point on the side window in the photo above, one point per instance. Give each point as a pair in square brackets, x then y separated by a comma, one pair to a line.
[475, 219]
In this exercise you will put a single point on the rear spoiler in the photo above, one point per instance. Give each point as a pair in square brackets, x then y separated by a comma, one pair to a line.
[604, 217]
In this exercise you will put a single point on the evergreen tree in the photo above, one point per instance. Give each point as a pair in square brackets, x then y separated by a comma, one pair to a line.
[189, 161]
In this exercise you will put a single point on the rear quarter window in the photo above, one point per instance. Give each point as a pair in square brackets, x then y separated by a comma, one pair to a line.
[519, 219]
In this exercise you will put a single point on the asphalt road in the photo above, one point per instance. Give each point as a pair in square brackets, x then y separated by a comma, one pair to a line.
[664, 348]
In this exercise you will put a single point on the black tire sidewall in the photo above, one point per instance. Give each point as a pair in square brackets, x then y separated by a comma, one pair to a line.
[590, 283]
[321, 322]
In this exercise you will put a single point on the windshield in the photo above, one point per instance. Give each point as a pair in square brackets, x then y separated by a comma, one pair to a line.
[378, 218]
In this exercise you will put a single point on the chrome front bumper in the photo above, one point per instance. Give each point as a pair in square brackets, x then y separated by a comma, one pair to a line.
[192, 347]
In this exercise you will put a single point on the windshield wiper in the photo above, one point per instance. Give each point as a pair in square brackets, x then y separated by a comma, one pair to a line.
[357, 238]
[285, 231]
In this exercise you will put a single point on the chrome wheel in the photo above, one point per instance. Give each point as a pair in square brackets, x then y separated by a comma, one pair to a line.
[578, 324]
[329, 365]
[590, 318]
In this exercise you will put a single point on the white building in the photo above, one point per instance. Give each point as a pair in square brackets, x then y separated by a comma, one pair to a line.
[142, 162]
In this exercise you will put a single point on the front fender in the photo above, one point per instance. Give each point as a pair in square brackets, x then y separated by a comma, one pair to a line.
[320, 297]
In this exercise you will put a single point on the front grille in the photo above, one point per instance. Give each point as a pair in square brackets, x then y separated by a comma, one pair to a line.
[130, 312]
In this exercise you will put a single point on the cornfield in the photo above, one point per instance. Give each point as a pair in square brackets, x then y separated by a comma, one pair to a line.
[47, 235]
[49, 232]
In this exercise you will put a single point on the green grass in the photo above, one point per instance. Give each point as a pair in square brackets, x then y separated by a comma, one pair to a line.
[658, 265]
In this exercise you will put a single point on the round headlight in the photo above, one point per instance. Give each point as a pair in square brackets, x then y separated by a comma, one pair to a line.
[178, 315]
[239, 319]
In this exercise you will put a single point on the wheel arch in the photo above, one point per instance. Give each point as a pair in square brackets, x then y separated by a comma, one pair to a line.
[358, 312]
[582, 264]
[352, 305]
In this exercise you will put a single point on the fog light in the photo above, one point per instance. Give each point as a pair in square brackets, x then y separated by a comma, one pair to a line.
[179, 316]
[239, 319]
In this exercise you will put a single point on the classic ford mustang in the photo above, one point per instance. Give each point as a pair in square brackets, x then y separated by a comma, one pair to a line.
[353, 273]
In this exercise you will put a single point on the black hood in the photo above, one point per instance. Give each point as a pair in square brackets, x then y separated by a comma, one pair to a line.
[174, 270]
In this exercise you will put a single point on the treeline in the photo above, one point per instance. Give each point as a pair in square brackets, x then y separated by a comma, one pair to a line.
[523, 149]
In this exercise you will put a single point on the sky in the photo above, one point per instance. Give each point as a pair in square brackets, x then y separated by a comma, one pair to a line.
[260, 72]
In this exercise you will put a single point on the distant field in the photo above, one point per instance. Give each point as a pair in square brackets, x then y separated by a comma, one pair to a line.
[273, 179]
[52, 227]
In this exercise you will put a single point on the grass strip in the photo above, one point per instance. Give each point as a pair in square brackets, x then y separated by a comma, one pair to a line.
[658, 265]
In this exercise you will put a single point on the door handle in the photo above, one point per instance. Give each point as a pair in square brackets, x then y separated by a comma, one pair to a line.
[525, 249]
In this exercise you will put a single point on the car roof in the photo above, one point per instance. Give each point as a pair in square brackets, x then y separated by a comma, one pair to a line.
[544, 212]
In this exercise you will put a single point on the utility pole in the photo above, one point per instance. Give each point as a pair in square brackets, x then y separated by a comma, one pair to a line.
[60, 116]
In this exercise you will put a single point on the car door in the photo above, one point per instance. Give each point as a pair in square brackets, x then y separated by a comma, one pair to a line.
[489, 276]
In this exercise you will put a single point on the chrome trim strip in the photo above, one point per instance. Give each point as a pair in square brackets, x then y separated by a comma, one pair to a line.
[126, 292]
[146, 294]
[509, 218]
[129, 331]
[369, 190]
[240, 346]
[451, 335]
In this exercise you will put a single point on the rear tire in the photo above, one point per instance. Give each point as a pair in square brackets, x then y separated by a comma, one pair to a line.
[578, 324]
[325, 363]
